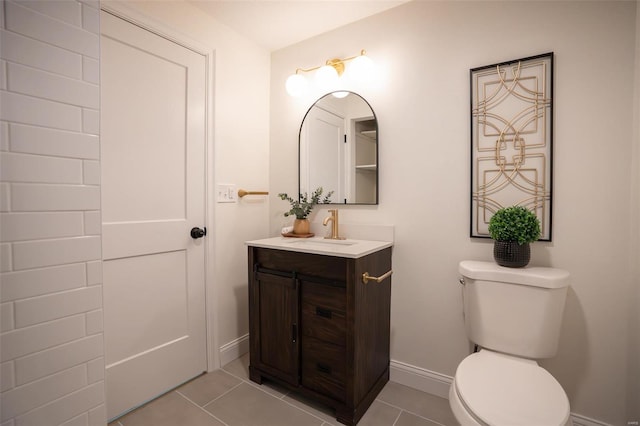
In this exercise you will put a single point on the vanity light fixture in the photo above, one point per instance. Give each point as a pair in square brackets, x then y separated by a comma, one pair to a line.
[328, 75]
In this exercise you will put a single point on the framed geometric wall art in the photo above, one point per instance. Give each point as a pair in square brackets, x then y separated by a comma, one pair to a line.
[511, 140]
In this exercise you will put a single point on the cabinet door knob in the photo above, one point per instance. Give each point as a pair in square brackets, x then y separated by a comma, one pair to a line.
[198, 232]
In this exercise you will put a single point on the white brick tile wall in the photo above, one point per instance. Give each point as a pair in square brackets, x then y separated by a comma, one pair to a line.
[29, 110]
[27, 51]
[91, 172]
[65, 408]
[40, 169]
[90, 70]
[92, 223]
[95, 370]
[81, 420]
[97, 413]
[43, 84]
[29, 226]
[7, 376]
[94, 322]
[5, 257]
[58, 305]
[41, 27]
[51, 341]
[36, 254]
[6, 316]
[4, 135]
[26, 197]
[45, 141]
[25, 341]
[41, 364]
[94, 273]
[21, 399]
[91, 18]
[91, 121]
[65, 11]
[38, 282]
[3, 75]
[4, 197]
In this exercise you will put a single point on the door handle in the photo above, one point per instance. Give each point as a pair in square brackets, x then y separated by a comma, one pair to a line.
[198, 232]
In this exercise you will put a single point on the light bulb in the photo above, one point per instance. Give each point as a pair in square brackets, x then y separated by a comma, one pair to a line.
[361, 69]
[340, 94]
[296, 85]
[326, 78]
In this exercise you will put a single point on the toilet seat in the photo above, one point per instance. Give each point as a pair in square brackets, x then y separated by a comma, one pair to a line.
[501, 389]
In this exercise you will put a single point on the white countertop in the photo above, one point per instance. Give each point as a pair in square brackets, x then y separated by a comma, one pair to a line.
[318, 245]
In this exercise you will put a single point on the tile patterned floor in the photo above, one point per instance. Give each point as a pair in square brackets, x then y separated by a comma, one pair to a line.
[228, 397]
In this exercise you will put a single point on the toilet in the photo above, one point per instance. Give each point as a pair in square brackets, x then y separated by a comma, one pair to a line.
[513, 315]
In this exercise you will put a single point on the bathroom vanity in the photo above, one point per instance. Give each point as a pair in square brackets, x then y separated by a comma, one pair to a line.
[316, 327]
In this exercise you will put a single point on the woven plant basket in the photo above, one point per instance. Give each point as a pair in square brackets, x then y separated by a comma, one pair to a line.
[511, 254]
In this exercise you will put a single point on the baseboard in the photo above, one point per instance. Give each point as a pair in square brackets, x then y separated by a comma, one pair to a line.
[234, 349]
[399, 372]
[438, 384]
[420, 378]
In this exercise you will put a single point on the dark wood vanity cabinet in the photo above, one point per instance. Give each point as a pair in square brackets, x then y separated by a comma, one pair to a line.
[317, 329]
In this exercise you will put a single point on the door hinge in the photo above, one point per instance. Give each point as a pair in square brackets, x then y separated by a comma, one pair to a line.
[345, 138]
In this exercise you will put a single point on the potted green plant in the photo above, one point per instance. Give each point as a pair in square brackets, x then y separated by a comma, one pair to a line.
[302, 207]
[513, 228]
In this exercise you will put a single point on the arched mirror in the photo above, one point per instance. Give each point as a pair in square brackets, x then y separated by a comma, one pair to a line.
[338, 149]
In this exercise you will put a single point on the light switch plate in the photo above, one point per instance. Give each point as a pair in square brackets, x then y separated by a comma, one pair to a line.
[226, 193]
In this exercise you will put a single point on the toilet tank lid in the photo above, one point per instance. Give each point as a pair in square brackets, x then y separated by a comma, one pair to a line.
[536, 276]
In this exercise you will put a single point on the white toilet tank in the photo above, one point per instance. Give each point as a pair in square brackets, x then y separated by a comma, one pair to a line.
[516, 311]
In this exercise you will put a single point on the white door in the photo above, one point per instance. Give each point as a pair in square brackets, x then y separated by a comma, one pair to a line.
[153, 194]
[323, 143]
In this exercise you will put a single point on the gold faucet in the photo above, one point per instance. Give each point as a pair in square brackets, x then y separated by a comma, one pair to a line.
[334, 224]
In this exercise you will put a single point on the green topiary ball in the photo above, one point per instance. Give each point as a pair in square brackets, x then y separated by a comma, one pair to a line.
[515, 223]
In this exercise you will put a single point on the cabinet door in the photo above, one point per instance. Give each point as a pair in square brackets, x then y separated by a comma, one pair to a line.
[277, 316]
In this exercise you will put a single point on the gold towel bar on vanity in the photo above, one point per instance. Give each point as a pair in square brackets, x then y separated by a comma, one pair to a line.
[242, 193]
[366, 277]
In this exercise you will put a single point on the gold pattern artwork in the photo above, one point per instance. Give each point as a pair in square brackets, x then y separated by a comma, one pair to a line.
[511, 137]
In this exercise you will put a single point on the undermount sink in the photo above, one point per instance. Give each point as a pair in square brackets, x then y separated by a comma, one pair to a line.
[320, 245]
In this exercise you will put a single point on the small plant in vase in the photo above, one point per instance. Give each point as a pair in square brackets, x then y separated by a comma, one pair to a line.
[302, 207]
[513, 228]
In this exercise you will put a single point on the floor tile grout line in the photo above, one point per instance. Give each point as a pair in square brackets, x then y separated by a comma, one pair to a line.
[255, 385]
[222, 394]
[411, 412]
[202, 408]
[288, 403]
[281, 398]
[259, 386]
[397, 418]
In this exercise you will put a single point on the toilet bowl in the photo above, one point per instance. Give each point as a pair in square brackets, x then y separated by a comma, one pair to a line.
[495, 389]
[514, 315]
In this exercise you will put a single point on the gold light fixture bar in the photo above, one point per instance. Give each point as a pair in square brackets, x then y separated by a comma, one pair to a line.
[336, 63]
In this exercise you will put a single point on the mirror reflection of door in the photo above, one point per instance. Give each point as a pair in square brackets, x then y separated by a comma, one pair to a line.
[323, 143]
[339, 149]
